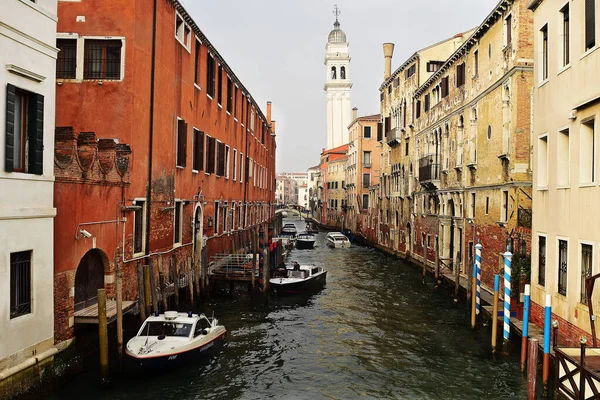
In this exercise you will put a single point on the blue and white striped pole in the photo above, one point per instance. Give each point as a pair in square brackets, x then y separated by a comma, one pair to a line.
[507, 268]
[547, 327]
[525, 327]
[495, 312]
[478, 248]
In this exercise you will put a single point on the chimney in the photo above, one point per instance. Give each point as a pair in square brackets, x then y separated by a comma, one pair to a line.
[268, 112]
[354, 113]
[388, 52]
[273, 128]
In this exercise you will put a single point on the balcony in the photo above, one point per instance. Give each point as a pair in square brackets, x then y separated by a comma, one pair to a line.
[367, 165]
[393, 137]
[429, 171]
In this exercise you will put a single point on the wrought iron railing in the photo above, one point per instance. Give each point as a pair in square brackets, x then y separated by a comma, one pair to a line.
[429, 168]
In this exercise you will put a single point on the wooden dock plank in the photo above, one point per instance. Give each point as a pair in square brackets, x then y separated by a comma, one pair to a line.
[89, 315]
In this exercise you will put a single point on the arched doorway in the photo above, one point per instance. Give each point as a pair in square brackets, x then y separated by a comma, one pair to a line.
[89, 278]
[408, 238]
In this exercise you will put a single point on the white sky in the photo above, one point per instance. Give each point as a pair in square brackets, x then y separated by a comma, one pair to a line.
[277, 49]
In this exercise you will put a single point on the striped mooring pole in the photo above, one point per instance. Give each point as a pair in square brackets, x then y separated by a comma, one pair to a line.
[547, 327]
[478, 248]
[507, 268]
[525, 327]
[495, 312]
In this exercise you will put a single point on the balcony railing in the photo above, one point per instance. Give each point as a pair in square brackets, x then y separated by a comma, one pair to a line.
[429, 168]
[393, 136]
[367, 164]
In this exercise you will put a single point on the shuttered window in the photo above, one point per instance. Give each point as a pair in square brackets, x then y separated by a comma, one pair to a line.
[24, 138]
[181, 142]
[229, 95]
[426, 105]
[460, 75]
[590, 24]
[220, 159]
[508, 30]
[210, 155]
[210, 76]
[197, 63]
[198, 150]
[138, 227]
[445, 88]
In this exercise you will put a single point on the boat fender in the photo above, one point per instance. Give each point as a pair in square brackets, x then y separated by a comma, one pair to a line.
[205, 332]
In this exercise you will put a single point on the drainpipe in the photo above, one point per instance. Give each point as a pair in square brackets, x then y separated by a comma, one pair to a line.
[151, 133]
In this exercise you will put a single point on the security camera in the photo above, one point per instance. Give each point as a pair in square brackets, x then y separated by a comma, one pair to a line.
[85, 233]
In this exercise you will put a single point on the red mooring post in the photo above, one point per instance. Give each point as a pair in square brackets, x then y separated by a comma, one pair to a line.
[532, 362]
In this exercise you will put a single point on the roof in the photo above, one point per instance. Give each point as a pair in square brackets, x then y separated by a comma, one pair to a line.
[337, 35]
[374, 117]
[337, 150]
[533, 4]
[481, 30]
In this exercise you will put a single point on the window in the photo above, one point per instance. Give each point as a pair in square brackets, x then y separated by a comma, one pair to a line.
[476, 63]
[342, 72]
[542, 260]
[426, 106]
[333, 73]
[139, 223]
[235, 107]
[102, 59]
[504, 209]
[489, 132]
[225, 218]
[217, 215]
[487, 205]
[198, 164]
[197, 63]
[220, 85]
[565, 36]
[24, 131]
[66, 59]
[544, 66]
[210, 154]
[210, 76]
[542, 162]
[508, 30]
[227, 149]
[586, 269]
[234, 167]
[181, 142]
[562, 266]
[418, 109]
[220, 158]
[445, 87]
[472, 205]
[433, 66]
[590, 24]
[183, 33]
[563, 159]
[367, 158]
[241, 216]
[177, 225]
[586, 152]
[410, 71]
[367, 132]
[229, 95]
[366, 180]
[20, 283]
[460, 75]
[241, 167]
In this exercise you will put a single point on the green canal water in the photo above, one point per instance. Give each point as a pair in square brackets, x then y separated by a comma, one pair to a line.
[375, 331]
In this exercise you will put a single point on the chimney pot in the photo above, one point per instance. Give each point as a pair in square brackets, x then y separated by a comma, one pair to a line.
[388, 52]
[354, 113]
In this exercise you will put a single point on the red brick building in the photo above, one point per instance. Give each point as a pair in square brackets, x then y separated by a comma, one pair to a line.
[158, 146]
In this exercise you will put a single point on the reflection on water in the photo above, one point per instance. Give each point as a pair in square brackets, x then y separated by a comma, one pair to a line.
[374, 331]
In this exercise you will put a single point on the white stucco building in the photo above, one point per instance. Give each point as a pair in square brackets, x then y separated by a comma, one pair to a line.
[337, 87]
[27, 75]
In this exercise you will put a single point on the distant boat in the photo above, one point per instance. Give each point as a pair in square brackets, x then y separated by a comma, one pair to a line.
[299, 279]
[337, 240]
[289, 229]
[173, 338]
[284, 214]
[305, 240]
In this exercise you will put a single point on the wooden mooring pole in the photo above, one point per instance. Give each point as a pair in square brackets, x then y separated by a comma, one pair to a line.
[153, 286]
[437, 262]
[119, 299]
[532, 361]
[457, 280]
[163, 289]
[175, 272]
[147, 291]
[103, 336]
[254, 251]
[141, 301]
[190, 279]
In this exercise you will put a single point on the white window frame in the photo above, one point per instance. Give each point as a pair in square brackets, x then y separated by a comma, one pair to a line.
[226, 155]
[580, 260]
[144, 211]
[544, 185]
[242, 160]
[183, 32]
[178, 204]
[235, 164]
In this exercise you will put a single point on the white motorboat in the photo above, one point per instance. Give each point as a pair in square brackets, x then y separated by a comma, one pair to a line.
[289, 229]
[298, 279]
[173, 338]
[337, 240]
[305, 240]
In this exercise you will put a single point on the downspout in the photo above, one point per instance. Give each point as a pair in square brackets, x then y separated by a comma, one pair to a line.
[246, 129]
[151, 136]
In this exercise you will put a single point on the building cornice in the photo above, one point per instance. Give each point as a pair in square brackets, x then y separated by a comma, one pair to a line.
[534, 4]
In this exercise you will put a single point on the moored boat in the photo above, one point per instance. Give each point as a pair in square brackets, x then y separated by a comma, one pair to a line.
[299, 279]
[173, 338]
[305, 240]
[289, 230]
[337, 240]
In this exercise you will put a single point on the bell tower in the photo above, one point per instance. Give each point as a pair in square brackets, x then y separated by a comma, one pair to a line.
[338, 85]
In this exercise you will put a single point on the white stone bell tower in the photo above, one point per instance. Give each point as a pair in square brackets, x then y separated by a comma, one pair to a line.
[337, 86]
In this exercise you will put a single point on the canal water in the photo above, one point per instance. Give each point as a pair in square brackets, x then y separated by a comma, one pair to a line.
[375, 331]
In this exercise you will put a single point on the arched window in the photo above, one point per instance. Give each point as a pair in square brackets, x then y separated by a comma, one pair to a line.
[333, 73]
[342, 72]
[461, 121]
[489, 133]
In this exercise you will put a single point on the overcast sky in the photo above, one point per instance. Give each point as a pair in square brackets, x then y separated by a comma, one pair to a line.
[277, 49]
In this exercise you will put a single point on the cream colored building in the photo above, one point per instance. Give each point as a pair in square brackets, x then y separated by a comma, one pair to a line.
[566, 238]
[362, 169]
[397, 168]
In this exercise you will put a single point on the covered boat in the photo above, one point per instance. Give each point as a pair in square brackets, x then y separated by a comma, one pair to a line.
[305, 240]
[337, 240]
[173, 338]
[299, 279]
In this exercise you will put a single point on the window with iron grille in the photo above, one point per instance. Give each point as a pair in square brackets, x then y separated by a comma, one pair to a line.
[586, 269]
[102, 59]
[66, 59]
[562, 266]
[138, 227]
[181, 142]
[20, 283]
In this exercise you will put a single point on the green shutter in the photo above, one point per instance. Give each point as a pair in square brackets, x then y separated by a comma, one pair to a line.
[35, 133]
[9, 148]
